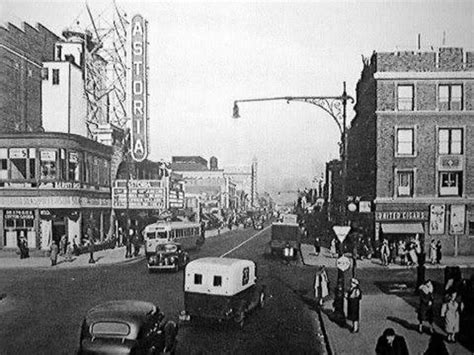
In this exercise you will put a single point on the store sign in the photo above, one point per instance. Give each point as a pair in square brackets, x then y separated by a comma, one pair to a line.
[68, 185]
[437, 218]
[365, 207]
[19, 214]
[54, 202]
[138, 194]
[176, 199]
[139, 89]
[401, 216]
[48, 155]
[457, 220]
[18, 153]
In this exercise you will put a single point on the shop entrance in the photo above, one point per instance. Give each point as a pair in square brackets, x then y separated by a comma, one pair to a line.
[58, 229]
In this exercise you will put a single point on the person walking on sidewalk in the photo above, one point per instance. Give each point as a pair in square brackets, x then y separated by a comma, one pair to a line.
[54, 251]
[90, 242]
[353, 304]
[321, 285]
[128, 243]
[425, 308]
[69, 250]
[450, 311]
[438, 252]
[433, 251]
[385, 252]
[390, 343]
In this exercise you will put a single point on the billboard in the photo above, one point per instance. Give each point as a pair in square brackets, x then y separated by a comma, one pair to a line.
[138, 89]
[138, 194]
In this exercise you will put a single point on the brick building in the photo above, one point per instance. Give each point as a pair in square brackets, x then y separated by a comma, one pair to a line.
[22, 52]
[410, 146]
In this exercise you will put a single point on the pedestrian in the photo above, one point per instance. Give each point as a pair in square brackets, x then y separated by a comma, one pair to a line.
[332, 249]
[128, 243]
[54, 250]
[433, 256]
[317, 245]
[90, 242]
[353, 304]
[390, 343]
[413, 254]
[438, 252]
[402, 252]
[436, 346]
[136, 244]
[451, 312]
[425, 308]
[321, 285]
[69, 250]
[62, 245]
[393, 252]
[385, 252]
[22, 243]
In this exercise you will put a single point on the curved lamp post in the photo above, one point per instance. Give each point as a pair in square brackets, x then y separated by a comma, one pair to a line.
[336, 107]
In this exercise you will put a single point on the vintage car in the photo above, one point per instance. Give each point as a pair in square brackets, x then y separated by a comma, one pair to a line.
[285, 240]
[127, 327]
[221, 289]
[167, 256]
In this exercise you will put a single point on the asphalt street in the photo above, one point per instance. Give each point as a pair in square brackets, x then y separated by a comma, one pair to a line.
[44, 307]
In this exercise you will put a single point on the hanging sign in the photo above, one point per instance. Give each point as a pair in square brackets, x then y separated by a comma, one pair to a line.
[341, 232]
[139, 89]
[437, 218]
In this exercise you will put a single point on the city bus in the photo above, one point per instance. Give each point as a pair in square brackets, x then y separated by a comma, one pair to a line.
[188, 234]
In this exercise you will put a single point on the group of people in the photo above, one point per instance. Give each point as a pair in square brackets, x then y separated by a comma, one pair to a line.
[67, 248]
[407, 252]
[131, 239]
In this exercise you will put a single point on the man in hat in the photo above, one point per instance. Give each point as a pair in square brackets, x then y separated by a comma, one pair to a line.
[391, 343]
[353, 302]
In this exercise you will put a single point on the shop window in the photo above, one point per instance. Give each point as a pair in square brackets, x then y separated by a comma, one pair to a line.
[85, 169]
[450, 97]
[450, 184]
[48, 164]
[450, 141]
[18, 159]
[405, 183]
[73, 167]
[405, 97]
[405, 141]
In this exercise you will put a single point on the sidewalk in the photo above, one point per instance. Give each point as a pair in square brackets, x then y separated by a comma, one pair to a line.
[378, 312]
[102, 257]
[310, 258]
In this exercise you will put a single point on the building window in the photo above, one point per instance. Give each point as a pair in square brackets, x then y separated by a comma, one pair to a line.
[450, 97]
[3, 164]
[405, 184]
[471, 221]
[55, 76]
[74, 163]
[450, 183]
[405, 97]
[63, 162]
[18, 158]
[48, 164]
[450, 141]
[405, 141]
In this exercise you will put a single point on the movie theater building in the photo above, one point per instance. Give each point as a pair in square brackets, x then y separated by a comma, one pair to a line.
[52, 184]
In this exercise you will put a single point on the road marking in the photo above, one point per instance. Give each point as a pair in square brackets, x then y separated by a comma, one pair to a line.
[248, 240]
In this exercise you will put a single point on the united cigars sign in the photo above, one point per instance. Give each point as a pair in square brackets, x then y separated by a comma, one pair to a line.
[139, 89]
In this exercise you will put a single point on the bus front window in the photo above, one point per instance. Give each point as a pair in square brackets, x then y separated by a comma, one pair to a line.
[162, 235]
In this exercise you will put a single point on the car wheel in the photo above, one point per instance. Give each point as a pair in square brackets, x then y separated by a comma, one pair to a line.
[261, 300]
[240, 319]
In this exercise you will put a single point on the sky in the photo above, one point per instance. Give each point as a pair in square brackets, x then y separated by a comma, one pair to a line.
[205, 55]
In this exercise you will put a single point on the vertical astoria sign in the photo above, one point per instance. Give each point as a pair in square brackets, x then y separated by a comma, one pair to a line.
[139, 89]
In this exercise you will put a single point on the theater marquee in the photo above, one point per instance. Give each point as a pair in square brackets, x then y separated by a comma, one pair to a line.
[138, 89]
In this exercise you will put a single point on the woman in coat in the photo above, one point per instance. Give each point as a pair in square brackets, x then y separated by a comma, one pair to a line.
[54, 250]
[433, 251]
[450, 311]
[321, 285]
[353, 304]
[425, 308]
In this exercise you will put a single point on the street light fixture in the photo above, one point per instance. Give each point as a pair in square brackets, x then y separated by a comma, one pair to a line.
[335, 106]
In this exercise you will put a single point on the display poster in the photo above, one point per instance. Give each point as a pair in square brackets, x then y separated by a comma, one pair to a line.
[437, 219]
[457, 220]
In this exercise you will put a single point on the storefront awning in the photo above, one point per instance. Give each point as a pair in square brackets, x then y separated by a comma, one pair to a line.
[402, 228]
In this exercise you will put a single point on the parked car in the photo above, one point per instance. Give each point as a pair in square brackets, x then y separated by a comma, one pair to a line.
[167, 256]
[221, 289]
[127, 327]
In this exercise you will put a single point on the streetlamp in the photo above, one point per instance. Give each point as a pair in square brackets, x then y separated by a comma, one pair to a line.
[336, 107]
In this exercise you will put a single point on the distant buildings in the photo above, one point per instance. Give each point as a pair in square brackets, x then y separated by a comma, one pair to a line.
[410, 147]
